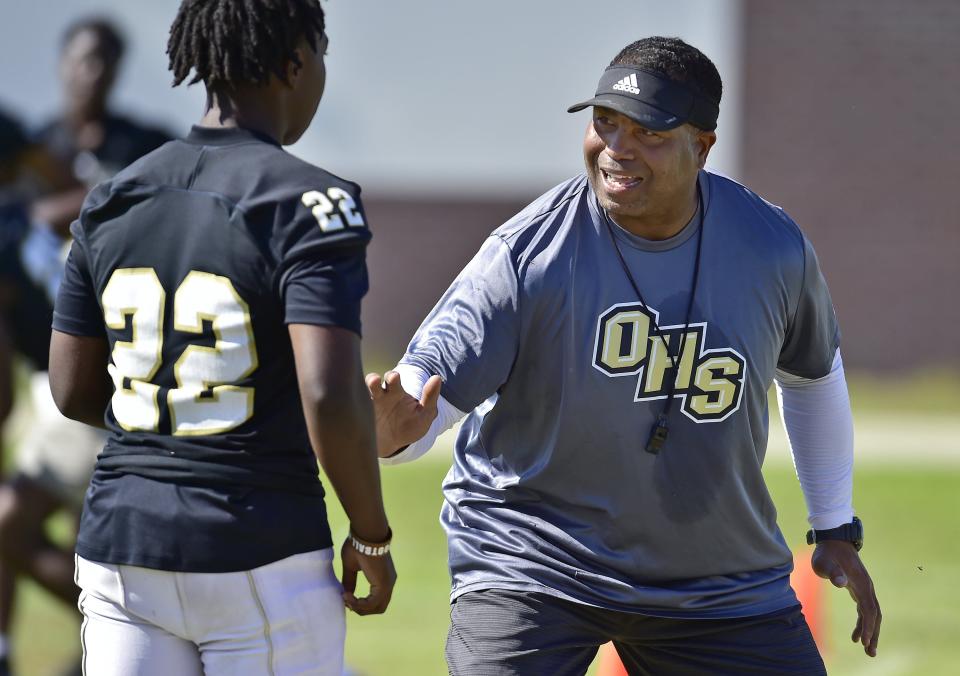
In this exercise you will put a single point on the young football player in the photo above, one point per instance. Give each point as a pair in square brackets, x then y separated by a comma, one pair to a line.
[211, 307]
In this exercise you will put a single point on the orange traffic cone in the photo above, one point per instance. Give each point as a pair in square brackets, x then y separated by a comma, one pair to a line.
[810, 589]
[609, 663]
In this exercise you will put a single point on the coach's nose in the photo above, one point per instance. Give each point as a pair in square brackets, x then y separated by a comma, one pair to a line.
[619, 145]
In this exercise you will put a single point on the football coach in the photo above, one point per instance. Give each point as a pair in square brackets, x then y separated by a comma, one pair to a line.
[611, 347]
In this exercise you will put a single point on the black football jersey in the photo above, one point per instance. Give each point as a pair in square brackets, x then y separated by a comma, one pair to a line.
[191, 263]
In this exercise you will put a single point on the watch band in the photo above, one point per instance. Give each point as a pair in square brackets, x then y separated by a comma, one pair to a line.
[849, 532]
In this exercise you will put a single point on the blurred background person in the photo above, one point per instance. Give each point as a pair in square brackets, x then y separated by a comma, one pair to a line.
[87, 136]
[26, 169]
[83, 145]
[25, 310]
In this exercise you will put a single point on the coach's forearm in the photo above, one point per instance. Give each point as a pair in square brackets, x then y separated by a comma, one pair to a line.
[819, 426]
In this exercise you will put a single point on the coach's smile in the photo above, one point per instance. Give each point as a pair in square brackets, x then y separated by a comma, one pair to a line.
[618, 184]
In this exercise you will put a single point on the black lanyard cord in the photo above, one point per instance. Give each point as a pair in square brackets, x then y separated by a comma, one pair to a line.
[658, 435]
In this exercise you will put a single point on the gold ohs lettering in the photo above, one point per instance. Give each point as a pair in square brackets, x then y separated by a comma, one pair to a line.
[710, 382]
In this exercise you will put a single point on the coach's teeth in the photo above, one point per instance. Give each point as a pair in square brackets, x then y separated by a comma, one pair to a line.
[620, 180]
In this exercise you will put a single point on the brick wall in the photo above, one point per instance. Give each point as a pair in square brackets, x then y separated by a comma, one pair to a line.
[418, 248]
[853, 125]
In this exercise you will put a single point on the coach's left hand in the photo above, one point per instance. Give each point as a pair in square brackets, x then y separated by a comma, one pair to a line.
[840, 563]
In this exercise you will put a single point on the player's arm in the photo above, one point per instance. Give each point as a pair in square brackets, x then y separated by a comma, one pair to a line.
[340, 422]
[79, 349]
[79, 381]
[322, 278]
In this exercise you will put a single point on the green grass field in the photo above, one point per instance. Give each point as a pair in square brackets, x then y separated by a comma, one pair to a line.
[909, 509]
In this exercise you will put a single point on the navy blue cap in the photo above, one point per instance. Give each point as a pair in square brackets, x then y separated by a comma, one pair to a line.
[652, 100]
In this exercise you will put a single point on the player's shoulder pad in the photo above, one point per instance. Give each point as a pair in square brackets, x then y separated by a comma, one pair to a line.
[90, 213]
[316, 210]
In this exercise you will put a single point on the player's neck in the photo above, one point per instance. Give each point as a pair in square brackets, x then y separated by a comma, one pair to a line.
[244, 112]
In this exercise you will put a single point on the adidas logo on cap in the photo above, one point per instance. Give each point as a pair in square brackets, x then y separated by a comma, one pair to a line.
[628, 84]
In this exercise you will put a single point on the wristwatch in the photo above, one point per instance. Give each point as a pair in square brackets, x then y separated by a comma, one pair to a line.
[849, 532]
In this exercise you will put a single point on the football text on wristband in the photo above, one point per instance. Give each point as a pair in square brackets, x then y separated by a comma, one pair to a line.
[372, 548]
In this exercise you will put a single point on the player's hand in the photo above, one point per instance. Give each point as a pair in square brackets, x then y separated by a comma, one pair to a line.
[379, 572]
[839, 562]
[401, 419]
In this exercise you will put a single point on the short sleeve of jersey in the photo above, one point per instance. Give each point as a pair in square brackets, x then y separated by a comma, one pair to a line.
[321, 246]
[813, 334]
[470, 339]
[326, 290]
[77, 311]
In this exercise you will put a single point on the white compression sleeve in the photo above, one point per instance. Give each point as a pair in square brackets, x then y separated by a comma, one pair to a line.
[816, 415]
[412, 379]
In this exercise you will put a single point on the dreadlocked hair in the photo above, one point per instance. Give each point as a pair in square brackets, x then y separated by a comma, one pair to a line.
[232, 42]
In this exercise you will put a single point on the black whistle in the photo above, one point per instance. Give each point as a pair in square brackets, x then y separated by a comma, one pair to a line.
[658, 435]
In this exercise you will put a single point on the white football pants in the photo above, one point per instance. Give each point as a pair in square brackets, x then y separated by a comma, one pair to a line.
[283, 618]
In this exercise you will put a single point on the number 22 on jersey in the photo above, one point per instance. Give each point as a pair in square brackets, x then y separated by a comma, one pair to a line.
[206, 400]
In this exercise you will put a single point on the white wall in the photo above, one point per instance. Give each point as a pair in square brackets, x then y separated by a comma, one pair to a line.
[423, 96]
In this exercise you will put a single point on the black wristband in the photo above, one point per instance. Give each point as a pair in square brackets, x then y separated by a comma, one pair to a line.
[849, 532]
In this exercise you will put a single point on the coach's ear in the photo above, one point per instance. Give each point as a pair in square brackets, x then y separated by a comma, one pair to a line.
[703, 142]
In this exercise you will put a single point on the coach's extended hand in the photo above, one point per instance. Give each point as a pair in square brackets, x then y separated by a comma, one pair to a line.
[839, 562]
[401, 419]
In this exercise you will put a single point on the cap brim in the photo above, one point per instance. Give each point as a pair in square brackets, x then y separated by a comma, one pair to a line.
[642, 113]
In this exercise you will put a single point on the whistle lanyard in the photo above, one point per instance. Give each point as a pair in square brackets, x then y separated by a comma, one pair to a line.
[660, 430]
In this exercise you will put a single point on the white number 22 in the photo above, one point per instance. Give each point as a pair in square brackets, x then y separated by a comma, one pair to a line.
[322, 207]
[205, 400]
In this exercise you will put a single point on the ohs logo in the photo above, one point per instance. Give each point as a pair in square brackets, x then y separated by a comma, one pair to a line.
[710, 382]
